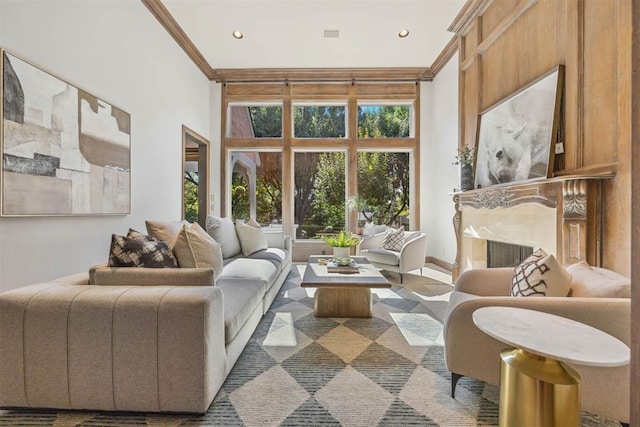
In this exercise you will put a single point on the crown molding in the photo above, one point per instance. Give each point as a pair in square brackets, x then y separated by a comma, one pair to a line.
[173, 28]
[445, 56]
[263, 75]
[469, 11]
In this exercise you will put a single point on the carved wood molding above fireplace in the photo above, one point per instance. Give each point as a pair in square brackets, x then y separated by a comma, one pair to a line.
[577, 201]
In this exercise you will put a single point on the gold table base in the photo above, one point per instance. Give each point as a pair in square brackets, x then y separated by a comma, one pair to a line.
[537, 391]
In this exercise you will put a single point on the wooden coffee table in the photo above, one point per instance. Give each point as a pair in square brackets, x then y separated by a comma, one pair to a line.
[342, 295]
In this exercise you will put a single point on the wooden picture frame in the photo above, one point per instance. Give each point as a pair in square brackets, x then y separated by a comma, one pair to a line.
[64, 151]
[516, 137]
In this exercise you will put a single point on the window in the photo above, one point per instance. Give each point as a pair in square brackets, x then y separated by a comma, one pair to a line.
[383, 188]
[334, 143]
[314, 121]
[319, 194]
[255, 121]
[256, 186]
[384, 121]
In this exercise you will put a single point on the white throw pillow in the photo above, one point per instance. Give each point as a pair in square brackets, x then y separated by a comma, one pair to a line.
[393, 239]
[594, 282]
[252, 238]
[194, 248]
[540, 275]
[224, 232]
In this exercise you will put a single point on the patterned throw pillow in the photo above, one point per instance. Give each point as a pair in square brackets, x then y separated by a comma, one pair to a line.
[136, 235]
[393, 239]
[540, 275]
[129, 252]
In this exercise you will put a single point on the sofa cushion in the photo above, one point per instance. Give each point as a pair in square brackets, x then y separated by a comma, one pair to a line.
[393, 239]
[274, 255]
[258, 270]
[596, 282]
[540, 275]
[103, 275]
[224, 232]
[251, 236]
[194, 248]
[128, 252]
[164, 230]
[241, 297]
[382, 256]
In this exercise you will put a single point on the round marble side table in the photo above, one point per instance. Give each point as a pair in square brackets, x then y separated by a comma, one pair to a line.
[536, 388]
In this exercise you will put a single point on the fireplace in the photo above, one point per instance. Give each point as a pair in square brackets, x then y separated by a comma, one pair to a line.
[501, 254]
[562, 216]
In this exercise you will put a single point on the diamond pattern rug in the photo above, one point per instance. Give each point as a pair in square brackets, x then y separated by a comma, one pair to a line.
[301, 370]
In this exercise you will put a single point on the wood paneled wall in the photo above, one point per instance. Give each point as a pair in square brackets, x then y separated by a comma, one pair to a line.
[505, 44]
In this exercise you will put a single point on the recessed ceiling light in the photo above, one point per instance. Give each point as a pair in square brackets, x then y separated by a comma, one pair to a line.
[238, 34]
[404, 33]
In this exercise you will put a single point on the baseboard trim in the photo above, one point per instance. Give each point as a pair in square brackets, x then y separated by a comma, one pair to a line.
[439, 262]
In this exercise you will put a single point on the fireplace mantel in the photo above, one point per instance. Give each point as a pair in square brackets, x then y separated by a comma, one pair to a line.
[573, 217]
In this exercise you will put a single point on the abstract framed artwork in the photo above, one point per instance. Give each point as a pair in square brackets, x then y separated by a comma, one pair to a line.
[64, 151]
[515, 136]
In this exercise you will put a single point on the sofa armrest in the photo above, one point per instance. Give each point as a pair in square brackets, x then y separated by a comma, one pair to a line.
[413, 253]
[73, 279]
[275, 239]
[111, 348]
[371, 242]
[485, 281]
[131, 276]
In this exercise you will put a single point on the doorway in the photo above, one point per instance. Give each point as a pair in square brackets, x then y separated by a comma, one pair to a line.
[195, 176]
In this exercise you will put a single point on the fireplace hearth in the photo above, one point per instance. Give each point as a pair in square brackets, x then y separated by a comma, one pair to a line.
[501, 254]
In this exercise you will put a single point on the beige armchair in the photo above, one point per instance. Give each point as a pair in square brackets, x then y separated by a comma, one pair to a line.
[411, 255]
[470, 352]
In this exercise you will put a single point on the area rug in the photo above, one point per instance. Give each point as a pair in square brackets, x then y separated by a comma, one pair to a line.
[301, 370]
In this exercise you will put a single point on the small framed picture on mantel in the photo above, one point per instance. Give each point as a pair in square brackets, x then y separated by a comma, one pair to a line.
[516, 136]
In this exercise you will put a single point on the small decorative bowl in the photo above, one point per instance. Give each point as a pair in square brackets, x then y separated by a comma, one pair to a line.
[343, 261]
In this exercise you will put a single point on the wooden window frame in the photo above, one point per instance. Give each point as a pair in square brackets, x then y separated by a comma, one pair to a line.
[322, 93]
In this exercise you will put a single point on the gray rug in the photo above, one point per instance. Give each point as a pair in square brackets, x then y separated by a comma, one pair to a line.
[301, 370]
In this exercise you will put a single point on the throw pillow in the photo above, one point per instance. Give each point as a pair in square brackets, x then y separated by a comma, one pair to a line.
[540, 275]
[164, 230]
[128, 252]
[194, 248]
[251, 236]
[224, 232]
[594, 282]
[136, 235]
[393, 239]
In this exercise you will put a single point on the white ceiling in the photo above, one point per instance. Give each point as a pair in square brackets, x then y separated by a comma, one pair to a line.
[290, 33]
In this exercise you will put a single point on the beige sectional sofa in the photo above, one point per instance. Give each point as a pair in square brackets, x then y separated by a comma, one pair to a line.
[166, 347]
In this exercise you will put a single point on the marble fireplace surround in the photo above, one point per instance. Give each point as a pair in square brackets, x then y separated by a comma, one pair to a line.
[561, 215]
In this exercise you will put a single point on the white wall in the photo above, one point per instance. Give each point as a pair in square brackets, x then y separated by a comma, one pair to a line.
[117, 51]
[438, 144]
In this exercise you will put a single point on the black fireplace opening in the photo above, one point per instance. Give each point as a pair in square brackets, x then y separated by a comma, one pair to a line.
[501, 254]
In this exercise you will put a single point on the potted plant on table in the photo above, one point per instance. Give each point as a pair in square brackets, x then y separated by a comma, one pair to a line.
[465, 158]
[341, 243]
